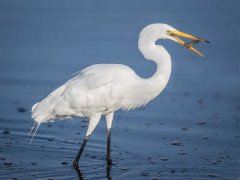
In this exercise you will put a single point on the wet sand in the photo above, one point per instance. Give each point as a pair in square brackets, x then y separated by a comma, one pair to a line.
[191, 131]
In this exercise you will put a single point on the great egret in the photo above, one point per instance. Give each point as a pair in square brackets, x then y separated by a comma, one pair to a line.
[102, 89]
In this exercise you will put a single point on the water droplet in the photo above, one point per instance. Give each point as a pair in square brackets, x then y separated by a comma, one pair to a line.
[64, 163]
[6, 132]
[176, 144]
[201, 123]
[212, 175]
[8, 163]
[144, 174]
[164, 159]
[22, 109]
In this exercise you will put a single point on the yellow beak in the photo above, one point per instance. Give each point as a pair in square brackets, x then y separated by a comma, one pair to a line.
[188, 45]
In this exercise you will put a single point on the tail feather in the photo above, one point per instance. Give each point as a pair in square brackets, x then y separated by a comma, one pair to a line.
[33, 131]
[34, 106]
[43, 111]
[39, 116]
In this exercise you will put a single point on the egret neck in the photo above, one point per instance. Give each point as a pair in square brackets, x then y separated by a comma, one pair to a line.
[161, 57]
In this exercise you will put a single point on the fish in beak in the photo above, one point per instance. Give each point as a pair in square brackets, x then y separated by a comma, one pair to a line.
[188, 45]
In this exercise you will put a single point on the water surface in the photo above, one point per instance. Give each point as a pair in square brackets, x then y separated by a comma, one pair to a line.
[191, 131]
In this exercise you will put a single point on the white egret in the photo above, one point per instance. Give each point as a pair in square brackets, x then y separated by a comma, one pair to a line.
[102, 89]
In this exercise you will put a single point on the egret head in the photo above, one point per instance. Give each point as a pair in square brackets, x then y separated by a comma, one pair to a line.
[164, 31]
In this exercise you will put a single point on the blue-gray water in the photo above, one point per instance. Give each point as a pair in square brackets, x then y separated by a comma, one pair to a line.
[191, 131]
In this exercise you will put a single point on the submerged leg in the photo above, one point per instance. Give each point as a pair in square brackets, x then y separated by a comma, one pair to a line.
[109, 119]
[109, 160]
[91, 126]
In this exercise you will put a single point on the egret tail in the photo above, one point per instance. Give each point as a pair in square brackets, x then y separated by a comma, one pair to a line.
[33, 131]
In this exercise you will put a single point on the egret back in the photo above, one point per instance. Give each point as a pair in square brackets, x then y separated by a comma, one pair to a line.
[94, 89]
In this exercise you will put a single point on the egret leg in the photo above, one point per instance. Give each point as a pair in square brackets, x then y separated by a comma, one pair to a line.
[80, 175]
[94, 120]
[108, 169]
[75, 162]
[109, 119]
[109, 160]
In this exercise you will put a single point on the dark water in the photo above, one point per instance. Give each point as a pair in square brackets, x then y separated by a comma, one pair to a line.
[190, 132]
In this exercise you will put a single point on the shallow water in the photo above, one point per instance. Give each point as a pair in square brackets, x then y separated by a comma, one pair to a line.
[191, 131]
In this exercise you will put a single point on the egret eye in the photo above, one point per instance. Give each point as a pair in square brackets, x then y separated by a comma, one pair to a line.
[169, 33]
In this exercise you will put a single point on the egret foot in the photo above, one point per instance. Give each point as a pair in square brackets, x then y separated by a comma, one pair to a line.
[109, 161]
[75, 163]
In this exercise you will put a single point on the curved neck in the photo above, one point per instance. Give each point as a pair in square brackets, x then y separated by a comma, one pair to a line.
[161, 57]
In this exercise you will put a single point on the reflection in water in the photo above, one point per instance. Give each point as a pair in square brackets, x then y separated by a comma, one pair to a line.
[78, 172]
[80, 175]
[108, 170]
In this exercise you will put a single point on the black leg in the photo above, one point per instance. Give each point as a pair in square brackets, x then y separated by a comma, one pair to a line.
[109, 160]
[108, 169]
[75, 162]
[80, 175]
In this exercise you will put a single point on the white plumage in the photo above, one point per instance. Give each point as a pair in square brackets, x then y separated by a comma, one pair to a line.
[102, 89]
